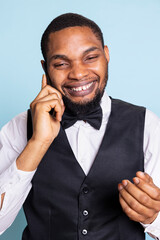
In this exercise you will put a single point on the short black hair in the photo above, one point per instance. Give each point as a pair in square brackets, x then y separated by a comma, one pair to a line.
[68, 20]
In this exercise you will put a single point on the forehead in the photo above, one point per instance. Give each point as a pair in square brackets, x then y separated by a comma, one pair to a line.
[72, 40]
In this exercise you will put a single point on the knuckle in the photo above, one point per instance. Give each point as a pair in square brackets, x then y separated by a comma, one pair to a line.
[127, 210]
[150, 213]
[142, 218]
[156, 193]
[54, 95]
[37, 106]
[144, 199]
[133, 204]
[157, 207]
[47, 86]
[57, 102]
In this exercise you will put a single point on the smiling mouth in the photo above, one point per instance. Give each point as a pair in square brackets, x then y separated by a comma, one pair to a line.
[82, 88]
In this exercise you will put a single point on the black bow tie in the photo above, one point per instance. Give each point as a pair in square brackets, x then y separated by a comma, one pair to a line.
[94, 118]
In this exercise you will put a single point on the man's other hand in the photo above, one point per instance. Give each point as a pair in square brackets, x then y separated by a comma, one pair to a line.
[140, 200]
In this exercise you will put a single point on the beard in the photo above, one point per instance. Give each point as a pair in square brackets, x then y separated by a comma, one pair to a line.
[88, 106]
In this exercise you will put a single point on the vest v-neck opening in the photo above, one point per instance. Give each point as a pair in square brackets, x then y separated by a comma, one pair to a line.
[99, 150]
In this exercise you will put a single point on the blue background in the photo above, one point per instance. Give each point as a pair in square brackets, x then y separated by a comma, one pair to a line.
[131, 31]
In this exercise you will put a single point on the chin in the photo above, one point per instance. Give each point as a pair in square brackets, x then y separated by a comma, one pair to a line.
[83, 106]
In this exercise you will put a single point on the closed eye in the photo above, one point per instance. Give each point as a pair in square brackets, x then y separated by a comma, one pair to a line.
[92, 58]
[60, 65]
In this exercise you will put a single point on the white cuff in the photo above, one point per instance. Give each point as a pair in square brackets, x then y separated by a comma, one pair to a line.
[153, 229]
[12, 175]
[16, 184]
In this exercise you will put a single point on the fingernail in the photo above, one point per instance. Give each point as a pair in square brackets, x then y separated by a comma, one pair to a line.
[120, 187]
[124, 183]
[136, 180]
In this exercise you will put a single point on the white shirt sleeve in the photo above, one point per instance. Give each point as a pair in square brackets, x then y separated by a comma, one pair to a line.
[14, 183]
[152, 162]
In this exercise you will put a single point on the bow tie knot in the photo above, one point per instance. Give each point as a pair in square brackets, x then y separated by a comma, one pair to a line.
[94, 118]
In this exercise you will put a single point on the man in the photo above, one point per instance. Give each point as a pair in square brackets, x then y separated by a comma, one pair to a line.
[83, 148]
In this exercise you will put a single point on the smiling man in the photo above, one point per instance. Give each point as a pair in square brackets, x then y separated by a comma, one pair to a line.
[83, 165]
[78, 73]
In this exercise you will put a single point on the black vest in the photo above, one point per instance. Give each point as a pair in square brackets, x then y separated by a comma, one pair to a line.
[64, 204]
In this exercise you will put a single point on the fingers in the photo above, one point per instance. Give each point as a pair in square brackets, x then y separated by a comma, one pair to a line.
[49, 97]
[133, 195]
[148, 187]
[137, 200]
[46, 89]
[146, 195]
[145, 216]
[144, 176]
[45, 125]
[52, 99]
[49, 102]
[141, 199]
[53, 103]
[132, 214]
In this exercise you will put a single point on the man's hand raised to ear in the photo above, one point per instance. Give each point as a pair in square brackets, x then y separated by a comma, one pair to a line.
[45, 126]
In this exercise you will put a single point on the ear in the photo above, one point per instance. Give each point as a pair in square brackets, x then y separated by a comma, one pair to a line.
[106, 51]
[43, 63]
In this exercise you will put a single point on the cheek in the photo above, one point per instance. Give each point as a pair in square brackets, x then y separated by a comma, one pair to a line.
[57, 78]
[99, 67]
[102, 69]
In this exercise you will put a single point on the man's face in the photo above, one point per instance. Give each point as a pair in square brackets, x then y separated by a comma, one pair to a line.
[77, 64]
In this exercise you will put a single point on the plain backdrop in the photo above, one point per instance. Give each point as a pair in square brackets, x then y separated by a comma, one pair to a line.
[131, 30]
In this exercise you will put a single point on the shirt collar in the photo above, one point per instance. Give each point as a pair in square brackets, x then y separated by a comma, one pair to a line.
[106, 107]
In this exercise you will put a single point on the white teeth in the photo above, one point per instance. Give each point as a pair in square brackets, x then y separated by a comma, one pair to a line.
[82, 87]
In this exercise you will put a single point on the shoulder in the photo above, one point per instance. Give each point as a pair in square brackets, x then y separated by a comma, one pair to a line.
[152, 124]
[151, 145]
[127, 111]
[16, 124]
[127, 105]
[14, 133]
[152, 120]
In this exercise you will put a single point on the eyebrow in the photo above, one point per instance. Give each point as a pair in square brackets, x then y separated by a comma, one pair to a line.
[62, 56]
[91, 49]
[57, 56]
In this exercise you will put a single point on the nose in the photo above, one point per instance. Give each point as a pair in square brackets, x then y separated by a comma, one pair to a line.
[78, 72]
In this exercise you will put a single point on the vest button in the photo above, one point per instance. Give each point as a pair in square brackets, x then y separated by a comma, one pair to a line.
[84, 232]
[85, 190]
[85, 212]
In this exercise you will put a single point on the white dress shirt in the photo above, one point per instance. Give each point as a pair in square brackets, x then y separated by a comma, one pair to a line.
[85, 142]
